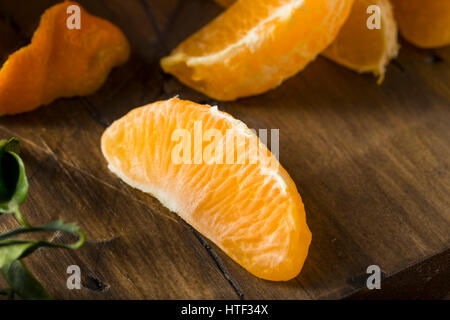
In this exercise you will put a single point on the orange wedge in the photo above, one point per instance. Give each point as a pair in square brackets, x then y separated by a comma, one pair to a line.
[362, 49]
[255, 45]
[61, 62]
[425, 23]
[358, 47]
[251, 209]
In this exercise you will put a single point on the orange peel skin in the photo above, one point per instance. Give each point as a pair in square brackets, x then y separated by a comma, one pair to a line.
[60, 62]
[424, 23]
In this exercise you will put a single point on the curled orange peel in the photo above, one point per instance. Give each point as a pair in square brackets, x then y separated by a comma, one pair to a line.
[61, 62]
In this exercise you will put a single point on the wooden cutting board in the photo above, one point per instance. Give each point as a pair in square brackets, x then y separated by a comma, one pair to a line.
[372, 164]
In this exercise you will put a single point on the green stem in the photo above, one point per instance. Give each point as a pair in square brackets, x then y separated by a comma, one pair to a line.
[54, 226]
[18, 215]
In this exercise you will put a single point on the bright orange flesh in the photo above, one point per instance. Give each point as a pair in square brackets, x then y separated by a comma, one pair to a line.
[358, 47]
[251, 210]
[425, 23]
[362, 49]
[60, 62]
[255, 45]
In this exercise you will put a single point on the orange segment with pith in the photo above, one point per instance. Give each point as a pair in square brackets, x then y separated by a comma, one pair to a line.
[250, 209]
[358, 47]
[255, 45]
[362, 49]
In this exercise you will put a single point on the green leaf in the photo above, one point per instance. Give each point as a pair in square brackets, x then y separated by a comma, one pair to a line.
[4, 194]
[11, 250]
[23, 283]
[13, 192]
[14, 249]
[13, 179]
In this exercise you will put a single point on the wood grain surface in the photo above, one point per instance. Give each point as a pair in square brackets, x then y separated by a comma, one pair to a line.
[372, 164]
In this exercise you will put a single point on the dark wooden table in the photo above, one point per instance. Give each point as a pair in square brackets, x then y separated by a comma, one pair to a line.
[372, 164]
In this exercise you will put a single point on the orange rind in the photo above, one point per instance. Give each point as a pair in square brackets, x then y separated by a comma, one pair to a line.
[424, 23]
[61, 62]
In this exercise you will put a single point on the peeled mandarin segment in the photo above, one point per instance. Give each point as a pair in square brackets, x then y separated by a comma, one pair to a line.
[255, 45]
[357, 47]
[362, 49]
[426, 24]
[60, 62]
[250, 209]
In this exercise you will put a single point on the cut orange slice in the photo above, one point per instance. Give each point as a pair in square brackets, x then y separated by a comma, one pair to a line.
[362, 49]
[425, 23]
[251, 209]
[255, 45]
[61, 61]
[358, 47]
